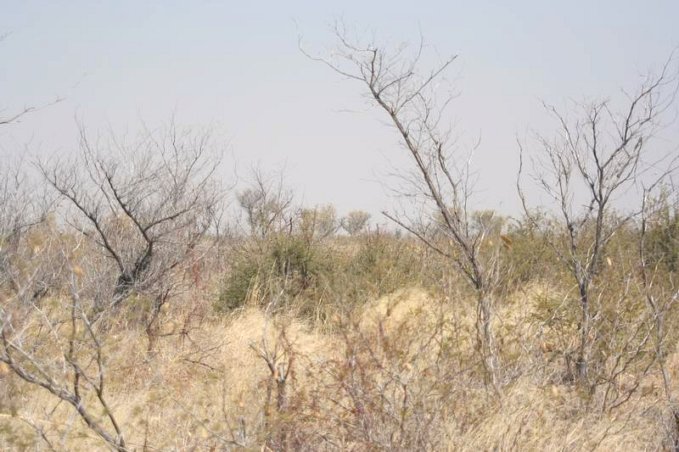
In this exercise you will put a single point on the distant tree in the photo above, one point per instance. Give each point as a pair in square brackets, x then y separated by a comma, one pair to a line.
[355, 222]
[267, 205]
[319, 222]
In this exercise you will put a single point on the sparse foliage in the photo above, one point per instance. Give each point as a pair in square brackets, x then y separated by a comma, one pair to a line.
[146, 206]
[592, 160]
[415, 104]
[287, 335]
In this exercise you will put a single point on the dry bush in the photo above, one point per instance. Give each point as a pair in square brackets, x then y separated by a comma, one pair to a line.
[397, 373]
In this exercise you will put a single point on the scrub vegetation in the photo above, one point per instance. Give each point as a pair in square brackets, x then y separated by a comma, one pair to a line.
[147, 304]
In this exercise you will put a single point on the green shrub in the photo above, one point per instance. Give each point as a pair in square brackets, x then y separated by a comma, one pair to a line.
[236, 289]
[285, 264]
[323, 276]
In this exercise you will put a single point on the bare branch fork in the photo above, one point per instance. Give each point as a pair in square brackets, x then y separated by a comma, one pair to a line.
[158, 195]
[24, 363]
[599, 156]
[415, 109]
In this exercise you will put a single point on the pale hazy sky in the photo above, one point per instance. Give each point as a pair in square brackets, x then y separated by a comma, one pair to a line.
[236, 67]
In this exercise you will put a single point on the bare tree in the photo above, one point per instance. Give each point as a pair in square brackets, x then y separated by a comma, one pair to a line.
[416, 105]
[132, 218]
[60, 349]
[318, 223]
[267, 205]
[601, 155]
[145, 206]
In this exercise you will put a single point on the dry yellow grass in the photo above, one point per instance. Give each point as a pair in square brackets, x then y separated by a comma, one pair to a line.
[209, 387]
